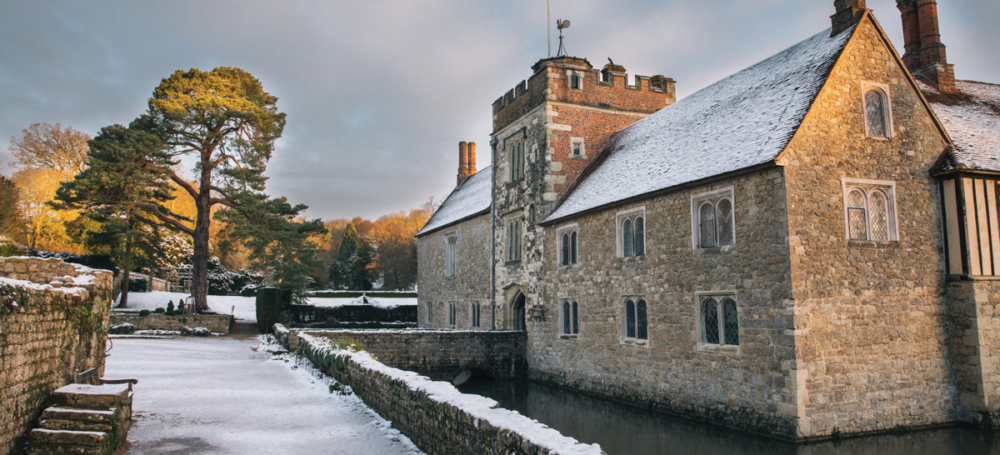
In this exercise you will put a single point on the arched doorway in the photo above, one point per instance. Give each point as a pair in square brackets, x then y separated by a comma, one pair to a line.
[517, 313]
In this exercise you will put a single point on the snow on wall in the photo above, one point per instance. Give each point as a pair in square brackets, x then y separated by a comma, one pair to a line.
[739, 122]
[471, 197]
[477, 425]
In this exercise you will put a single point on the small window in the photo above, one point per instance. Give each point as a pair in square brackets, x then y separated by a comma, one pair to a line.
[870, 210]
[572, 248]
[514, 240]
[474, 314]
[577, 149]
[517, 161]
[451, 314]
[449, 255]
[635, 324]
[430, 313]
[574, 81]
[570, 318]
[877, 110]
[628, 238]
[719, 321]
[712, 219]
[632, 233]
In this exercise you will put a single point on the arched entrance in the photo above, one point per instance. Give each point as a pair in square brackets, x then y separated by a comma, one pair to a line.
[517, 313]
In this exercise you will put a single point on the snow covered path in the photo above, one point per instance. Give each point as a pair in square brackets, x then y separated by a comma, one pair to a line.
[228, 396]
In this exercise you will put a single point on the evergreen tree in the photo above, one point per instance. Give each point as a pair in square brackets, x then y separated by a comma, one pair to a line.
[352, 267]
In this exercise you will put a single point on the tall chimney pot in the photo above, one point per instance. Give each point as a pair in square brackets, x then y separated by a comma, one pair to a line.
[472, 158]
[925, 55]
[848, 14]
[463, 161]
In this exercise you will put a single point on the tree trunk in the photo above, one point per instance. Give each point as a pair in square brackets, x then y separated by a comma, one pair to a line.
[199, 260]
[128, 267]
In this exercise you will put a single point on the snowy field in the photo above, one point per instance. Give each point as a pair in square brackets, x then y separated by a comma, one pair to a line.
[227, 396]
[245, 307]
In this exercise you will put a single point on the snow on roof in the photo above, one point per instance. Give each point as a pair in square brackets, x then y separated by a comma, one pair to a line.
[470, 198]
[972, 121]
[741, 121]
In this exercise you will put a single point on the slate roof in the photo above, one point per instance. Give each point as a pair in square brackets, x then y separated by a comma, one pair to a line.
[739, 122]
[973, 123]
[470, 198]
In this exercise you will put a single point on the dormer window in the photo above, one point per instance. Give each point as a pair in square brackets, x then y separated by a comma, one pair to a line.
[877, 110]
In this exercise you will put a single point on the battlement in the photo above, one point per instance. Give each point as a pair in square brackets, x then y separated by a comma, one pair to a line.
[574, 80]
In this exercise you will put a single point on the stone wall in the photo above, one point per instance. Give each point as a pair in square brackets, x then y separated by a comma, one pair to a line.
[439, 354]
[974, 309]
[434, 415]
[52, 322]
[217, 323]
[674, 371]
[870, 317]
[471, 283]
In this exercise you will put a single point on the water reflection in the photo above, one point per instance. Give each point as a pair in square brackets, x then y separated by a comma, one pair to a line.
[626, 430]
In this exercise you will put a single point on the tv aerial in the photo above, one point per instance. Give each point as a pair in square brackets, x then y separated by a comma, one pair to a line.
[561, 25]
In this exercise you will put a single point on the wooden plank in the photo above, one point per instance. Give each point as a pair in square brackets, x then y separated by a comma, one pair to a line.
[982, 221]
[971, 230]
[951, 227]
[991, 207]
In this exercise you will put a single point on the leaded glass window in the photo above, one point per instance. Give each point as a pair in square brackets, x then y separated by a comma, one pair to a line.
[879, 215]
[857, 218]
[731, 325]
[875, 113]
[474, 310]
[576, 319]
[627, 239]
[710, 314]
[707, 218]
[713, 219]
[642, 322]
[630, 319]
[724, 210]
[640, 236]
[572, 247]
[870, 210]
[566, 319]
[565, 249]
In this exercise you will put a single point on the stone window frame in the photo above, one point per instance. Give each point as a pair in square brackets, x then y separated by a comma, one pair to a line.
[702, 297]
[882, 89]
[631, 215]
[573, 142]
[450, 254]
[712, 197]
[452, 313]
[516, 162]
[475, 315]
[572, 317]
[572, 231]
[869, 187]
[513, 240]
[624, 337]
[430, 312]
[579, 80]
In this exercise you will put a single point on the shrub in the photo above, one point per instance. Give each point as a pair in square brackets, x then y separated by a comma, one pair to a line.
[160, 310]
[137, 285]
[170, 306]
[143, 313]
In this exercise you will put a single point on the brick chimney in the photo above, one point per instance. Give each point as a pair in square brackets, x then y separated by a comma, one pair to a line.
[472, 158]
[463, 161]
[848, 13]
[924, 53]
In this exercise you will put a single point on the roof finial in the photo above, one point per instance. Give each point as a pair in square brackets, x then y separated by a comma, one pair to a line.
[561, 24]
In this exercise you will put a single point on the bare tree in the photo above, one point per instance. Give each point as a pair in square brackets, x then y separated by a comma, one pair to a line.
[45, 146]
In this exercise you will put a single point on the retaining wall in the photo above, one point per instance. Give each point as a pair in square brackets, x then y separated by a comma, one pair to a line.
[434, 415]
[53, 317]
[217, 323]
[439, 354]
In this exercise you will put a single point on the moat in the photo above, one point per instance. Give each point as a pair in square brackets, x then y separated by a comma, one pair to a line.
[626, 430]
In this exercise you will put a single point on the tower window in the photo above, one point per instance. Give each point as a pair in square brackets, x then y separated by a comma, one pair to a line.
[517, 161]
[514, 240]
[574, 81]
[577, 150]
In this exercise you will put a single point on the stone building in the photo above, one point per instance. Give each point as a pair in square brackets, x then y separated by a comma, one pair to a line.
[804, 248]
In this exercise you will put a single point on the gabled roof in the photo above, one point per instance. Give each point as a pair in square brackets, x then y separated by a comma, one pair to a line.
[972, 120]
[469, 199]
[740, 122]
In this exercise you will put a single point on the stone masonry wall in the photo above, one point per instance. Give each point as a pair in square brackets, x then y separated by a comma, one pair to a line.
[438, 354]
[675, 371]
[974, 308]
[471, 283]
[870, 330]
[217, 323]
[52, 322]
[434, 415]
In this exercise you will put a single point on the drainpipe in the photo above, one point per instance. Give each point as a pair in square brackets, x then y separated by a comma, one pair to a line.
[493, 232]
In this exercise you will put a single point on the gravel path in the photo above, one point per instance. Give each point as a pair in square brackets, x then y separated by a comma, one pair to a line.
[230, 396]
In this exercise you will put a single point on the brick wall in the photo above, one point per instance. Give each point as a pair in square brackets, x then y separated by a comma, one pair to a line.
[437, 418]
[46, 332]
[439, 354]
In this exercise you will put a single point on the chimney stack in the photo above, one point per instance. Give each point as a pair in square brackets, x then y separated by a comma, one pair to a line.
[463, 161]
[472, 158]
[924, 53]
[848, 13]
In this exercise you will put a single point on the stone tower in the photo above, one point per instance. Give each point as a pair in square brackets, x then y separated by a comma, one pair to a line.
[546, 131]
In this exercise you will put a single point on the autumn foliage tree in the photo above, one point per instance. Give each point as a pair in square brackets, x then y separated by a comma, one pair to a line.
[45, 146]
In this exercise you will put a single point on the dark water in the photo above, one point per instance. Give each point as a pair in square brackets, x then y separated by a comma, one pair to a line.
[627, 430]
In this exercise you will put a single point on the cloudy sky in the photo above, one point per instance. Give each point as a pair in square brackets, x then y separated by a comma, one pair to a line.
[379, 93]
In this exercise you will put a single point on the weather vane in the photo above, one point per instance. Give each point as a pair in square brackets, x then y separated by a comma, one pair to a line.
[561, 24]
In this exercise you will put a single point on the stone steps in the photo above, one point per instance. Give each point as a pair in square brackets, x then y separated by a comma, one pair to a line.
[85, 419]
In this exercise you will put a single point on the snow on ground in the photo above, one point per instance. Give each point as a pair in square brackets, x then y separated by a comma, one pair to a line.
[245, 308]
[241, 307]
[227, 396]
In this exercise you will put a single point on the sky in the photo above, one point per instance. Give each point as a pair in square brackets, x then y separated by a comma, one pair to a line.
[379, 93]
